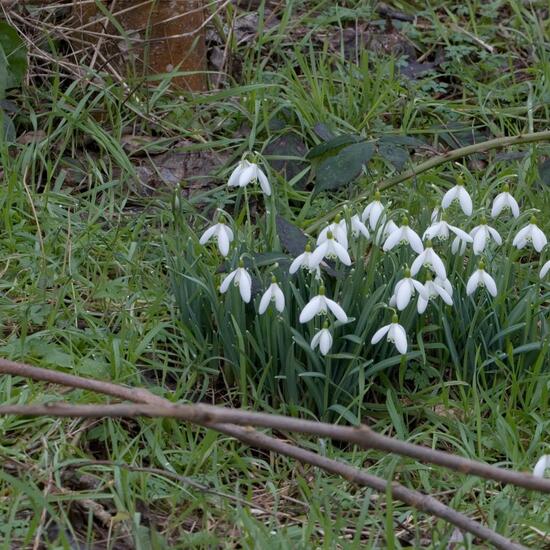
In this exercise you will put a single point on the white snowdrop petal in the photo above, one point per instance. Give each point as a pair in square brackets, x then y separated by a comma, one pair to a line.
[498, 205]
[337, 311]
[421, 304]
[480, 239]
[264, 302]
[325, 341]
[234, 177]
[318, 254]
[439, 266]
[227, 281]
[207, 235]
[514, 207]
[297, 263]
[400, 338]
[545, 269]
[379, 334]
[462, 235]
[247, 175]
[315, 340]
[311, 309]
[414, 240]
[542, 464]
[520, 240]
[264, 183]
[279, 299]
[393, 239]
[223, 242]
[445, 296]
[495, 235]
[403, 296]
[489, 283]
[342, 253]
[465, 201]
[473, 282]
[539, 239]
[418, 263]
[245, 285]
[449, 197]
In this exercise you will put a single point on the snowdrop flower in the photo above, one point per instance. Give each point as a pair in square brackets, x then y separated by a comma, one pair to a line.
[323, 339]
[545, 269]
[358, 227]
[373, 211]
[482, 234]
[435, 215]
[404, 290]
[432, 289]
[459, 245]
[481, 278]
[442, 230]
[240, 278]
[330, 248]
[458, 193]
[395, 334]
[384, 231]
[429, 258]
[303, 261]
[402, 235]
[339, 230]
[445, 284]
[272, 294]
[247, 172]
[530, 234]
[223, 235]
[542, 464]
[319, 306]
[505, 201]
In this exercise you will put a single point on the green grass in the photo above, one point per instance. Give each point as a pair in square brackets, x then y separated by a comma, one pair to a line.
[86, 287]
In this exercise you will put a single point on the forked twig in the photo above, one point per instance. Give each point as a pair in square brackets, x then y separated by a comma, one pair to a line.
[252, 437]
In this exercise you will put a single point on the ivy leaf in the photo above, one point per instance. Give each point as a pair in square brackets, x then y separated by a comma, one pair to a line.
[343, 167]
[7, 129]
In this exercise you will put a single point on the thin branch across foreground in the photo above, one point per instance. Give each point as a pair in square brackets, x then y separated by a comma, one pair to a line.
[236, 423]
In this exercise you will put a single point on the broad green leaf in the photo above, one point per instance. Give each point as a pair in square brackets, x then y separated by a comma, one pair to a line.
[344, 167]
[14, 55]
[292, 238]
[395, 154]
[7, 129]
[332, 145]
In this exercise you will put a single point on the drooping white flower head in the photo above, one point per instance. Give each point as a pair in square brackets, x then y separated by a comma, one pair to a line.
[530, 234]
[339, 230]
[444, 283]
[482, 234]
[385, 229]
[480, 278]
[358, 227]
[429, 258]
[542, 464]
[458, 193]
[505, 201]
[545, 269]
[433, 289]
[330, 248]
[394, 333]
[223, 235]
[373, 211]
[441, 230]
[303, 261]
[323, 339]
[404, 235]
[247, 172]
[272, 294]
[240, 278]
[404, 290]
[319, 305]
[459, 245]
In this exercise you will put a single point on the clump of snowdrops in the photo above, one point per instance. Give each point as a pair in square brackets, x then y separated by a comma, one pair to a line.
[371, 290]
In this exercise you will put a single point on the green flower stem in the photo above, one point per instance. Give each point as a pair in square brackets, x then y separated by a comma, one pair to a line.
[432, 163]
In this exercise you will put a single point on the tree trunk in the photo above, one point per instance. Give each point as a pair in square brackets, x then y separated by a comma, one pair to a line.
[144, 38]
